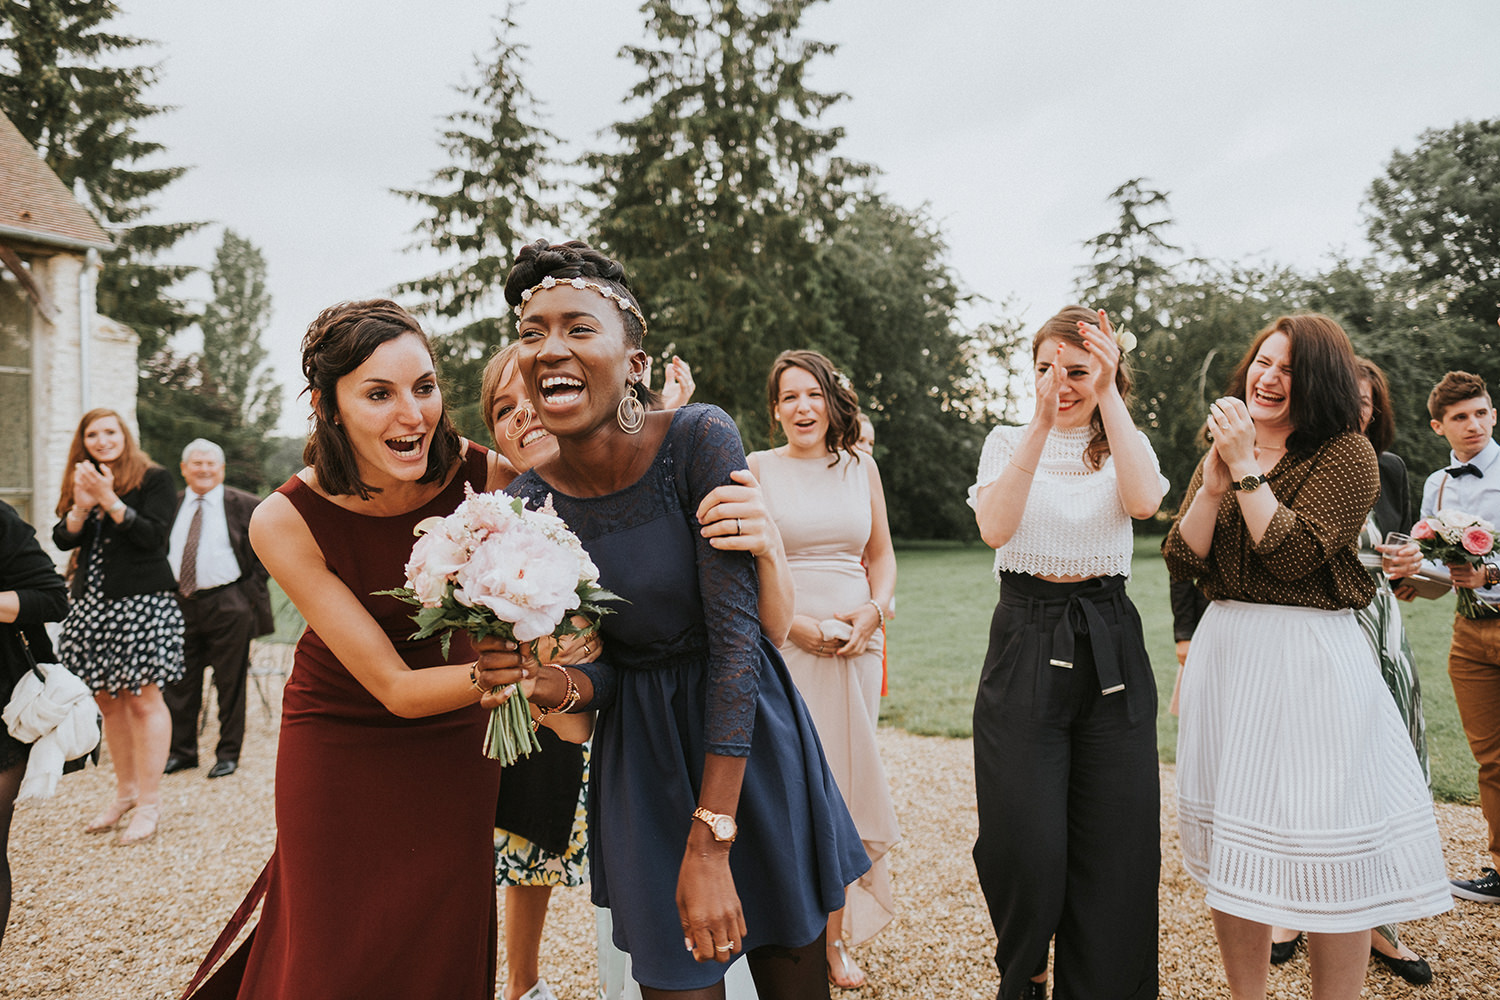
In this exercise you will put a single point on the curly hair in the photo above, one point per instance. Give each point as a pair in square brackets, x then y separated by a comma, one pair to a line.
[1064, 327]
[840, 402]
[1325, 380]
[340, 340]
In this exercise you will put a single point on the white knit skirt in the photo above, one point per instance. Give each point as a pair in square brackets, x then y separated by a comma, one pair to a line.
[1300, 800]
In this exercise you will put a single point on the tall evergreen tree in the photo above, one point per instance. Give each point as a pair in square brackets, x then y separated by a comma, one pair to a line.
[225, 392]
[57, 86]
[482, 205]
[722, 190]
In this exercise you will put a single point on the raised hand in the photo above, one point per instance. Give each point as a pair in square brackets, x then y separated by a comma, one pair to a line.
[1048, 387]
[677, 384]
[1099, 340]
[1233, 431]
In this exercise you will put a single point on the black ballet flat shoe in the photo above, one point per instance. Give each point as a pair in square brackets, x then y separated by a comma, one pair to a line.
[1282, 951]
[1414, 971]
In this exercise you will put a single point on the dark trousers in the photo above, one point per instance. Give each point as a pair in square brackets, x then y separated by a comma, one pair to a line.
[1069, 843]
[217, 627]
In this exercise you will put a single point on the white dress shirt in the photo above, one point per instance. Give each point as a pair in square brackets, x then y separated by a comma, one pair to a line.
[216, 562]
[1478, 495]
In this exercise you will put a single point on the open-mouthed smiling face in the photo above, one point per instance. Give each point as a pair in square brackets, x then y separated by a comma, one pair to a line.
[802, 411]
[389, 408]
[519, 433]
[574, 360]
[1268, 383]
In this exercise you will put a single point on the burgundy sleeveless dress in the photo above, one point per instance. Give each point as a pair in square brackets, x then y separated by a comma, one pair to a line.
[382, 882]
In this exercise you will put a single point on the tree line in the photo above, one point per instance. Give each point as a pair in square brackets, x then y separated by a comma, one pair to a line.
[748, 233]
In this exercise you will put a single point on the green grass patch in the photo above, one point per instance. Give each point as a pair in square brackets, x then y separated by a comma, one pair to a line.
[945, 595]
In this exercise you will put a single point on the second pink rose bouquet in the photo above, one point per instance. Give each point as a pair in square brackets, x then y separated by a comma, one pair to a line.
[1450, 537]
[496, 568]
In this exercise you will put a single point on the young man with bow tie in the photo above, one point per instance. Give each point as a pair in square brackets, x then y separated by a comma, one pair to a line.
[1463, 413]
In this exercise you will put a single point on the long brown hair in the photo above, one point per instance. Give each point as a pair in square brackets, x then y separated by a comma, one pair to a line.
[1064, 327]
[840, 401]
[1382, 428]
[129, 469]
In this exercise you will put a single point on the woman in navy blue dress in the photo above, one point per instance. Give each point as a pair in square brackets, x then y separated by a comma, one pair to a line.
[705, 761]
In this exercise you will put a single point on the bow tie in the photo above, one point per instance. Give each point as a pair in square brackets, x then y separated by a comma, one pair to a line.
[1467, 469]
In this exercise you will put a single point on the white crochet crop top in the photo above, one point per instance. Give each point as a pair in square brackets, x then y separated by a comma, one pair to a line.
[1074, 524]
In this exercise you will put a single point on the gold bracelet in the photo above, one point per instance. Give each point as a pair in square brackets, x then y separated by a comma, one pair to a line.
[474, 678]
[1029, 472]
[570, 698]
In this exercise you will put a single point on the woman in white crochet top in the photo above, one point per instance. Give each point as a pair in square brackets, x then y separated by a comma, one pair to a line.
[1065, 718]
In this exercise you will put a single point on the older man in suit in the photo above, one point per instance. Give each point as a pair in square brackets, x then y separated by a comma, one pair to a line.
[225, 603]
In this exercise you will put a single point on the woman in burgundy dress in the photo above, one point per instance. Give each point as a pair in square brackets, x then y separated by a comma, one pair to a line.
[380, 884]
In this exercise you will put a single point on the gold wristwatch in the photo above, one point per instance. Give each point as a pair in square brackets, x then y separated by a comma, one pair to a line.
[722, 824]
[1248, 483]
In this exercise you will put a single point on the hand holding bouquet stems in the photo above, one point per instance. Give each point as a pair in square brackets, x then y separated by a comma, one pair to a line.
[500, 571]
[1460, 541]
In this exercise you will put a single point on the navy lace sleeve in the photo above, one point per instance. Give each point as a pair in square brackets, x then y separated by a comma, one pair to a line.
[707, 450]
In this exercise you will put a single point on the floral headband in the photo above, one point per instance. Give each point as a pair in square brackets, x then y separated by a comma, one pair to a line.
[624, 304]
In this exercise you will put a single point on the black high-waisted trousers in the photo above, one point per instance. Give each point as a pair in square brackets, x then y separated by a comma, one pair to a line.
[1069, 794]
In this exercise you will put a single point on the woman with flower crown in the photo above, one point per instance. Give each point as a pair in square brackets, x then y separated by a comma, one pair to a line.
[717, 830]
[1065, 719]
[827, 500]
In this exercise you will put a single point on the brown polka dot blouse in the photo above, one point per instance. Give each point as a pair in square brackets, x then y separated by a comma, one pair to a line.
[1308, 556]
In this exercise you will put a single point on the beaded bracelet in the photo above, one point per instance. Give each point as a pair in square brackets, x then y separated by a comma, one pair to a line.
[569, 699]
[879, 611]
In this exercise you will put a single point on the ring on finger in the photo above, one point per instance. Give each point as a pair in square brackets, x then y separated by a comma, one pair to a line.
[724, 947]
[738, 528]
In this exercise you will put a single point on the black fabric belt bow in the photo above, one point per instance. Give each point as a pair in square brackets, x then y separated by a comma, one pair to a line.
[1467, 469]
[1105, 662]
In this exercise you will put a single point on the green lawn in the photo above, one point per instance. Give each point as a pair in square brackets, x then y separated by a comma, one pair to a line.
[946, 594]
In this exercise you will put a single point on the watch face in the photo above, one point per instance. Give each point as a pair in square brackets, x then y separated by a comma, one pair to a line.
[724, 828]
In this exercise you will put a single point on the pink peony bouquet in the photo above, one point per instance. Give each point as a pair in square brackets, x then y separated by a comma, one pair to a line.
[1452, 537]
[495, 568]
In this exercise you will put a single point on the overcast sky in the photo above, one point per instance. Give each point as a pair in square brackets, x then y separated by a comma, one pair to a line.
[1265, 121]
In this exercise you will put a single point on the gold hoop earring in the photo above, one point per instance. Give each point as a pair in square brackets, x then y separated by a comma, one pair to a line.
[631, 413]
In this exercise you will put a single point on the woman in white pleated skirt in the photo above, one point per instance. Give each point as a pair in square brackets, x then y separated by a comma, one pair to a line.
[1301, 800]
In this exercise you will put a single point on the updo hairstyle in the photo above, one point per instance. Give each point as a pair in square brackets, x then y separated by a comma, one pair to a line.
[839, 399]
[340, 340]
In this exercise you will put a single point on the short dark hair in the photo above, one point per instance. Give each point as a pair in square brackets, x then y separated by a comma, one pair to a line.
[340, 340]
[841, 402]
[1454, 387]
[1325, 383]
[1382, 427]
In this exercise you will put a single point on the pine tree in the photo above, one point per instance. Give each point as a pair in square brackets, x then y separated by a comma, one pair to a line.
[80, 112]
[722, 191]
[490, 198]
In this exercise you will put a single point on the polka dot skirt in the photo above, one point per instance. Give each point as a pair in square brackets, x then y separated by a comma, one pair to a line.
[113, 644]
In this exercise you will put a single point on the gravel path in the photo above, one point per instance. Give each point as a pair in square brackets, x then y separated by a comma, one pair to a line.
[97, 922]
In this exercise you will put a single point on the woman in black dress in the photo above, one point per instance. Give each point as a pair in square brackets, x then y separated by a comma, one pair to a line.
[124, 635]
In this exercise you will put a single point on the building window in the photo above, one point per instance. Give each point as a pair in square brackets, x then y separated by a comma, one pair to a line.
[15, 397]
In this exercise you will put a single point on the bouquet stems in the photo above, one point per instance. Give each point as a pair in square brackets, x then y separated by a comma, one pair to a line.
[510, 735]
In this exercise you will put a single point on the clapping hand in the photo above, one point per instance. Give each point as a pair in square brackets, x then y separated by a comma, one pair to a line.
[93, 486]
[1233, 431]
[1099, 341]
[1048, 388]
[677, 384]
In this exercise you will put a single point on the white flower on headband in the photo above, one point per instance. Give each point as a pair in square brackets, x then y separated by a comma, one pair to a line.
[843, 381]
[580, 283]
